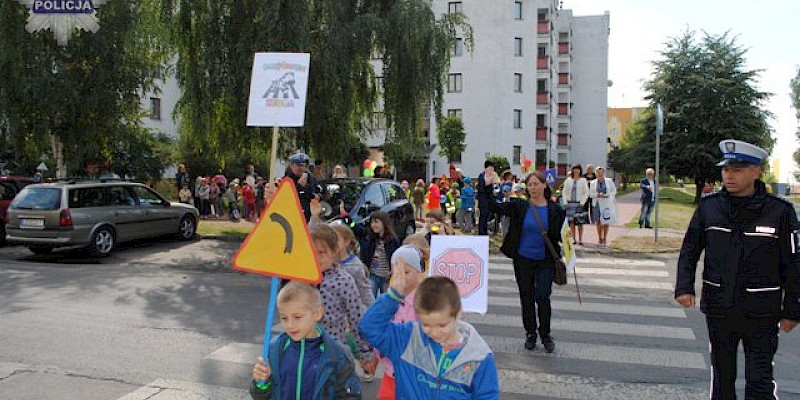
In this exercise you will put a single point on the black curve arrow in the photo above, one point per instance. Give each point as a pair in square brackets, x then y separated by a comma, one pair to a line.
[275, 217]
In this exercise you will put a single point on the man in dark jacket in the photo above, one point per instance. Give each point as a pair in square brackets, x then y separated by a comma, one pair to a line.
[751, 273]
[307, 188]
[485, 196]
[648, 199]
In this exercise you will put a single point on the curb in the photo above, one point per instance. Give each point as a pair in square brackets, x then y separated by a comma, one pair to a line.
[221, 238]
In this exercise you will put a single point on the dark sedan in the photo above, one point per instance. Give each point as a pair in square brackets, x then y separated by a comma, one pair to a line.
[362, 196]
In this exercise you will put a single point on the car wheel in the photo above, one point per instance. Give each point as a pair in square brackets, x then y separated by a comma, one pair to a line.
[187, 228]
[40, 249]
[103, 242]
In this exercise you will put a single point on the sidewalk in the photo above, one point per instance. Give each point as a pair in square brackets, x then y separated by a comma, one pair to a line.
[628, 207]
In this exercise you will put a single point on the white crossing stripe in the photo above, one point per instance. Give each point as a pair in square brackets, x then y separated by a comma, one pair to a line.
[167, 389]
[654, 331]
[604, 308]
[240, 353]
[645, 273]
[581, 388]
[617, 262]
[604, 353]
[593, 281]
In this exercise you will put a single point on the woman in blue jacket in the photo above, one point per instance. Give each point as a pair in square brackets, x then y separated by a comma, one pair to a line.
[533, 261]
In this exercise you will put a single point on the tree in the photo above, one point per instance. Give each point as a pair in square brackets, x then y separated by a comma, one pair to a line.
[451, 136]
[500, 163]
[81, 101]
[708, 96]
[795, 85]
[215, 42]
[636, 151]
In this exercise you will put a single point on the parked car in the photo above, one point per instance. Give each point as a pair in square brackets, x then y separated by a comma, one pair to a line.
[362, 196]
[94, 214]
[9, 187]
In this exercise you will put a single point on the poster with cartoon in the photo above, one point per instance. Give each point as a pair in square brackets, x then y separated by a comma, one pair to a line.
[465, 260]
[278, 89]
[570, 257]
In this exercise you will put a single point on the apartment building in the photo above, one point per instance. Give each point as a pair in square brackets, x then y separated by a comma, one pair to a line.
[535, 85]
[619, 120]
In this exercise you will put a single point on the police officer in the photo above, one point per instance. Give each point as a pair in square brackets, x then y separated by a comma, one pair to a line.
[307, 188]
[751, 274]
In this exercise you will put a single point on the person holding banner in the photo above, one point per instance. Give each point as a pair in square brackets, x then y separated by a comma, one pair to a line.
[533, 221]
[604, 193]
[300, 351]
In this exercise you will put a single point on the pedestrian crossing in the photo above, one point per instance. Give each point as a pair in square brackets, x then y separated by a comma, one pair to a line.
[625, 341]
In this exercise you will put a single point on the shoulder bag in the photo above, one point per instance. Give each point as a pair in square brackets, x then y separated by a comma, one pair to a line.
[559, 268]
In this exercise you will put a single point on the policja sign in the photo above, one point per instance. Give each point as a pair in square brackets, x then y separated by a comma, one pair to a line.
[62, 17]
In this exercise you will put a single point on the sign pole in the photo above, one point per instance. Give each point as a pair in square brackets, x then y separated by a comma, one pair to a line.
[659, 132]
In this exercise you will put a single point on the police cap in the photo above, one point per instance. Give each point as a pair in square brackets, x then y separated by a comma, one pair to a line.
[739, 154]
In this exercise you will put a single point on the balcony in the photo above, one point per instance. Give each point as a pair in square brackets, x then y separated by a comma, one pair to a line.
[563, 48]
[543, 98]
[563, 139]
[562, 169]
[541, 133]
[563, 78]
[563, 108]
[543, 27]
[543, 62]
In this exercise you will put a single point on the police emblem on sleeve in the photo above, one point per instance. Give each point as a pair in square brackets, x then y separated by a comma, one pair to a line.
[62, 17]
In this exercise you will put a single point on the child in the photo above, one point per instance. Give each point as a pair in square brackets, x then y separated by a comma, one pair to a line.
[249, 196]
[436, 356]
[233, 202]
[419, 198]
[436, 225]
[413, 269]
[466, 212]
[418, 240]
[340, 299]
[378, 243]
[185, 195]
[304, 341]
[348, 248]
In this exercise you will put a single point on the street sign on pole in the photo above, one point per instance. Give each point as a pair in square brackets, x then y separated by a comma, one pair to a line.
[659, 132]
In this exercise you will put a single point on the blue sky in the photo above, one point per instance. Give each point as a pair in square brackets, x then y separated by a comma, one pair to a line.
[767, 29]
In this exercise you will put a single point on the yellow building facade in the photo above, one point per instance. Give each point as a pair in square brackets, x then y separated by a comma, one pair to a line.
[619, 119]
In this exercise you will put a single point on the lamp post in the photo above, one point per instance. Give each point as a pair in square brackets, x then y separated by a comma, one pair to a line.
[659, 132]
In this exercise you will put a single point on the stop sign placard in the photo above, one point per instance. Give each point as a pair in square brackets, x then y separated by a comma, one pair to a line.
[463, 266]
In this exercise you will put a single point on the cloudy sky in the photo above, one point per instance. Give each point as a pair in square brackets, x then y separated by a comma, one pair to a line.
[767, 29]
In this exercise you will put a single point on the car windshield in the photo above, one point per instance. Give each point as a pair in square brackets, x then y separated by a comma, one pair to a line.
[335, 192]
[37, 199]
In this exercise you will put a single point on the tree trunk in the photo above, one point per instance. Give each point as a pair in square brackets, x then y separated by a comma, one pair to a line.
[698, 191]
[58, 154]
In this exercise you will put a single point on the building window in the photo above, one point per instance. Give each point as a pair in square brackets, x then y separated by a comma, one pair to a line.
[518, 83]
[456, 159]
[541, 86]
[517, 10]
[614, 132]
[455, 112]
[517, 155]
[540, 118]
[155, 108]
[454, 7]
[542, 14]
[379, 84]
[458, 47]
[541, 50]
[454, 83]
[517, 119]
[518, 47]
[378, 120]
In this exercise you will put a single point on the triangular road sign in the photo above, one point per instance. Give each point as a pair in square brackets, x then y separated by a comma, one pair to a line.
[280, 244]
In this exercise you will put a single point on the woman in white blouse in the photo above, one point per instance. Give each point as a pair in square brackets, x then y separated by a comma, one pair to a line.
[604, 193]
[573, 196]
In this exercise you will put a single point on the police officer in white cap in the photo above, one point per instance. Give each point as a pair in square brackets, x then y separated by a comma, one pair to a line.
[751, 272]
[307, 187]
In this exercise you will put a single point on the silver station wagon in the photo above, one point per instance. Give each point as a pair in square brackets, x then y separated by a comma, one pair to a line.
[94, 214]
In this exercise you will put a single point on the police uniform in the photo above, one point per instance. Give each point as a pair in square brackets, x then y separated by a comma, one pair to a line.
[751, 276]
[311, 189]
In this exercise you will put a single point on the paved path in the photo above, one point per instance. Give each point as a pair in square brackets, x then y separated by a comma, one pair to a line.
[628, 207]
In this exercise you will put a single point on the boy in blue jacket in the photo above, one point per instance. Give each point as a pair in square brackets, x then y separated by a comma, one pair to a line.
[438, 356]
[304, 361]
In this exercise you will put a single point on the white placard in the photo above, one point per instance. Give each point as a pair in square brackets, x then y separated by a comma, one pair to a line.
[465, 260]
[278, 89]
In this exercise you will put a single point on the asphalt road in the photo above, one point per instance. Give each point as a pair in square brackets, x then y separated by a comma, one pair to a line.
[170, 320]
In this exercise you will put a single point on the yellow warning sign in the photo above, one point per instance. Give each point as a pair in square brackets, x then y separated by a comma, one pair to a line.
[280, 244]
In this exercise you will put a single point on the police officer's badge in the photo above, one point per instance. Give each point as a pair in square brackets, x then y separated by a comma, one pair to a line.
[730, 147]
[62, 17]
